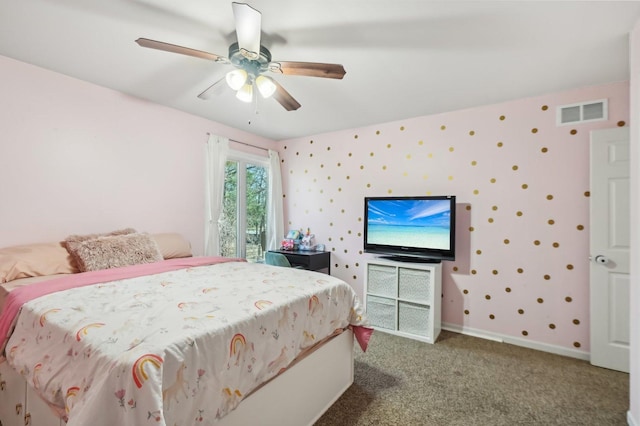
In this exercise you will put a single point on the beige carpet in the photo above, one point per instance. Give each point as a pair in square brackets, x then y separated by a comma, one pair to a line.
[463, 380]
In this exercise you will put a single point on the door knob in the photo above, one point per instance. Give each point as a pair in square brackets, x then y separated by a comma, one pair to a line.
[601, 259]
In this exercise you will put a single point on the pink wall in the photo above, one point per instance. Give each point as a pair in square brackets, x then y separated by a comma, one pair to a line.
[522, 184]
[79, 158]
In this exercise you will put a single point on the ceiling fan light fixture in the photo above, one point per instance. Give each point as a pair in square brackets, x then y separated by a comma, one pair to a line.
[245, 94]
[266, 86]
[236, 78]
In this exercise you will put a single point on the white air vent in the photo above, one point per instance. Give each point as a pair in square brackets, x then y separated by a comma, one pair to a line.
[582, 112]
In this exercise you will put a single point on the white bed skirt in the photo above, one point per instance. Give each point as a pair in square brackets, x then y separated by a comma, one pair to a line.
[299, 396]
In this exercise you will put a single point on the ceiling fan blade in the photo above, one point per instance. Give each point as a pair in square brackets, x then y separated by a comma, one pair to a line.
[310, 69]
[167, 47]
[212, 90]
[284, 98]
[248, 27]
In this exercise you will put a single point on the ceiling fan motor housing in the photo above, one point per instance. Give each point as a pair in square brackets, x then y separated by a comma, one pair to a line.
[254, 67]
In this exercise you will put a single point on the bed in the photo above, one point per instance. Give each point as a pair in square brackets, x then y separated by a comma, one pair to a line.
[177, 340]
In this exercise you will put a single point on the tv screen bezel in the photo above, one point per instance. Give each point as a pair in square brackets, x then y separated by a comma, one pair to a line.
[408, 252]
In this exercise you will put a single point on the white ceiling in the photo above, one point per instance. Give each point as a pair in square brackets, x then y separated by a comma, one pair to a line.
[404, 58]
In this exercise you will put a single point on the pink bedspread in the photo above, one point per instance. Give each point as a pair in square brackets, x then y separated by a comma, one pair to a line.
[22, 295]
[142, 346]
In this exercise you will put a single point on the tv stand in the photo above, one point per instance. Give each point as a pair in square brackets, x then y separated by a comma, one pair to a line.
[409, 259]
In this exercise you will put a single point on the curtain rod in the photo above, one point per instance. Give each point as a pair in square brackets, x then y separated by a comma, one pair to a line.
[244, 143]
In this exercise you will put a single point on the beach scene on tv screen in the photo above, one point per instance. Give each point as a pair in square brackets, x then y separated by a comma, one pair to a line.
[410, 223]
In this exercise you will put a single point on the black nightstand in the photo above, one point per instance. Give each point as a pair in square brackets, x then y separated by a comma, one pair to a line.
[307, 259]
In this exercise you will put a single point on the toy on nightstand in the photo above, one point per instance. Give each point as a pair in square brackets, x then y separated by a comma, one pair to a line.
[292, 240]
[308, 241]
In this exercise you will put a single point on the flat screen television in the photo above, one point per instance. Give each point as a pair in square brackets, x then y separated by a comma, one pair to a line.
[413, 229]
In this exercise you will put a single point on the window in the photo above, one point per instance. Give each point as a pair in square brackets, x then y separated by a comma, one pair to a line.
[244, 212]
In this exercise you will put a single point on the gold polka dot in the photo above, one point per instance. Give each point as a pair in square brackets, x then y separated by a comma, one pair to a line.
[408, 156]
[466, 312]
[384, 167]
[576, 344]
[536, 242]
[490, 220]
[492, 180]
[506, 241]
[361, 167]
[587, 193]
[388, 145]
[534, 130]
[468, 207]
[450, 177]
[311, 155]
[401, 128]
[576, 321]
[474, 162]
[355, 136]
[540, 300]
[514, 168]
[569, 266]
[507, 289]
[551, 221]
[552, 326]
[544, 149]
[473, 272]
[494, 208]
[443, 127]
[520, 270]
[389, 191]
[573, 131]
[328, 148]
[487, 296]
[549, 197]
[502, 117]
[368, 185]
[525, 186]
[544, 107]
[519, 213]
[371, 154]
[455, 269]
[491, 316]
[499, 144]
[471, 229]
[556, 244]
[568, 299]
[494, 272]
[476, 192]
[521, 311]
[465, 291]
[377, 132]
[547, 277]
[450, 149]
[580, 227]
[621, 123]
[471, 133]
[478, 251]
[339, 164]
[525, 333]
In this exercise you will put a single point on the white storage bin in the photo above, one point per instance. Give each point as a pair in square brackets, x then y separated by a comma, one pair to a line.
[381, 312]
[414, 319]
[381, 280]
[414, 284]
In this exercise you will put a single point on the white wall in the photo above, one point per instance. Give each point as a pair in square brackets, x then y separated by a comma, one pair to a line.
[634, 379]
[80, 158]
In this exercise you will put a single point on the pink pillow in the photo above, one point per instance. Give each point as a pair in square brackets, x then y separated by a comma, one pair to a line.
[33, 260]
[114, 251]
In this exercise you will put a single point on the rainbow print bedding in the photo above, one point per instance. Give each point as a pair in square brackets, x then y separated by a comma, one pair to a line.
[182, 346]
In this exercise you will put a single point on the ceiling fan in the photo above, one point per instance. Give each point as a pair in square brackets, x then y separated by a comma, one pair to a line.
[251, 60]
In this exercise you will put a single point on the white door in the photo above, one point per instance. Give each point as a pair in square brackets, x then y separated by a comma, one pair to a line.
[609, 247]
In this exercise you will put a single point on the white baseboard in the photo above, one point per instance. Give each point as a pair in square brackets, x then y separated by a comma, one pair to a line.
[558, 350]
[630, 420]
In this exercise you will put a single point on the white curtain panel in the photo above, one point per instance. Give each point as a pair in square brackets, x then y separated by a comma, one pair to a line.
[275, 216]
[216, 159]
